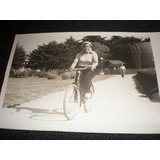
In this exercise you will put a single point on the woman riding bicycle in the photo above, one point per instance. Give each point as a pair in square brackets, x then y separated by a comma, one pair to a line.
[86, 58]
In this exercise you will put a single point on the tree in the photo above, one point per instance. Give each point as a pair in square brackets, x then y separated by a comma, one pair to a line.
[103, 52]
[54, 55]
[70, 50]
[45, 56]
[126, 49]
[36, 59]
[146, 40]
[95, 39]
[147, 59]
[19, 57]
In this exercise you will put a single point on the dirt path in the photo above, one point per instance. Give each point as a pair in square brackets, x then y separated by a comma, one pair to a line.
[117, 108]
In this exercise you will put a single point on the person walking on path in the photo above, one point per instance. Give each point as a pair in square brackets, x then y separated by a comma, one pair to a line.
[123, 70]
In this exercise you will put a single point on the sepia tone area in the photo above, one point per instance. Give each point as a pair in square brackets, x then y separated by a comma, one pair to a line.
[124, 101]
[45, 69]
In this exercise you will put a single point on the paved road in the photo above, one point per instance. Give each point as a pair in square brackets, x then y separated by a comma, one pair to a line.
[117, 108]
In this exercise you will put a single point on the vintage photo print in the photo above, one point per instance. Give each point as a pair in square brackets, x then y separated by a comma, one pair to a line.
[93, 82]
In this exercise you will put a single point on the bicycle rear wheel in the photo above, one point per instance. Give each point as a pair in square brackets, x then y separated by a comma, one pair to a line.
[71, 101]
[88, 101]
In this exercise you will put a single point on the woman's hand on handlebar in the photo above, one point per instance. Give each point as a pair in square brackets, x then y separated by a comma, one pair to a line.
[92, 67]
[89, 67]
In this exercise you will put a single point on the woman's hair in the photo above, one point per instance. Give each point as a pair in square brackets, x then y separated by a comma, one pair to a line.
[86, 42]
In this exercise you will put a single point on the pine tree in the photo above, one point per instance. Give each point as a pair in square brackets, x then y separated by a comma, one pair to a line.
[19, 57]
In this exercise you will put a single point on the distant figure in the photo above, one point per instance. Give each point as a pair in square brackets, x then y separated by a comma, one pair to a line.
[123, 70]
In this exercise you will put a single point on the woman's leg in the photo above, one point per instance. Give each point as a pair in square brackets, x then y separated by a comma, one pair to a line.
[86, 81]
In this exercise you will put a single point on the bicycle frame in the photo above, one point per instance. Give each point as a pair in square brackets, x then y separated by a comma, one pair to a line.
[78, 78]
[77, 97]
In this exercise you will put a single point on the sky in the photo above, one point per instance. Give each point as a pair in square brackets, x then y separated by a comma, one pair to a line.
[31, 41]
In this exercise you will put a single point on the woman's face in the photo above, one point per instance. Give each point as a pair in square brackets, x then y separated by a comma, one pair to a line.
[86, 48]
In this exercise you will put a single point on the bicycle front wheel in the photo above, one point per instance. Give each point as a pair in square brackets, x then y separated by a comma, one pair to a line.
[88, 101]
[71, 102]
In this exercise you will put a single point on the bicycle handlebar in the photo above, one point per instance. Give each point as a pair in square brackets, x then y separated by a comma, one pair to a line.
[80, 69]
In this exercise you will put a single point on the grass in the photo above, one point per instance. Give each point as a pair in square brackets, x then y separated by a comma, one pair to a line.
[21, 90]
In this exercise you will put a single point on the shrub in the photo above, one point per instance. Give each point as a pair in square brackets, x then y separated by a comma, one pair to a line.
[27, 73]
[19, 74]
[65, 76]
[53, 71]
[12, 73]
[31, 73]
[148, 73]
[42, 74]
[52, 76]
[60, 72]
[148, 81]
[106, 71]
[72, 75]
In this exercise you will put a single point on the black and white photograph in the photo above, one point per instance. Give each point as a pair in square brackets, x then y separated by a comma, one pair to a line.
[91, 82]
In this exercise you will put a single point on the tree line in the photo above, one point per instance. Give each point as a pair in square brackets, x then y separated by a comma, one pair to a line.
[135, 52]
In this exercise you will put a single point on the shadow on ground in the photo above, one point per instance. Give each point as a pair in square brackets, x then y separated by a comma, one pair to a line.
[52, 115]
[43, 114]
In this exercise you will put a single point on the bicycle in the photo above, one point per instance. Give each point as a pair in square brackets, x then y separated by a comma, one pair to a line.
[74, 96]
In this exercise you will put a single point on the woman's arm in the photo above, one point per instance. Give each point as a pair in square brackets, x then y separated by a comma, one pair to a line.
[95, 60]
[75, 62]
